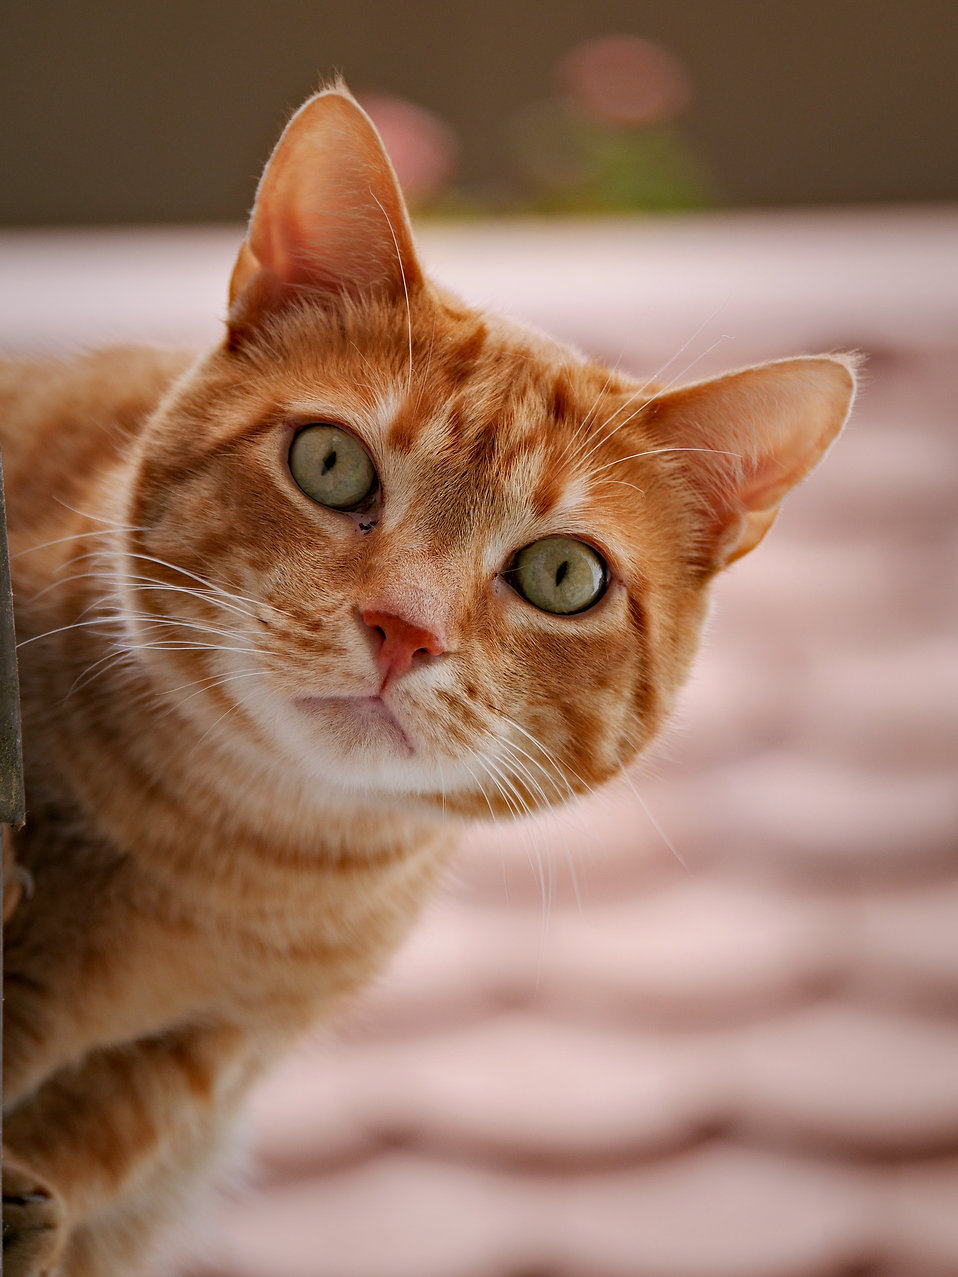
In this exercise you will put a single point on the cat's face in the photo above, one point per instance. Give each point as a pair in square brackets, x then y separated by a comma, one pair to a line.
[489, 443]
[433, 554]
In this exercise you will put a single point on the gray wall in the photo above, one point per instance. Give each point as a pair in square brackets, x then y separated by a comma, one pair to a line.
[164, 111]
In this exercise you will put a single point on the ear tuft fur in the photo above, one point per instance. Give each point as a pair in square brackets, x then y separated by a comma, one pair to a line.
[329, 216]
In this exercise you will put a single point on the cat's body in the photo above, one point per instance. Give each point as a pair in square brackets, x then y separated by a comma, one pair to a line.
[247, 911]
[254, 714]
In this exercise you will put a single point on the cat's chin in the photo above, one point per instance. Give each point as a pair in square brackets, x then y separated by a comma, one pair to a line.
[358, 721]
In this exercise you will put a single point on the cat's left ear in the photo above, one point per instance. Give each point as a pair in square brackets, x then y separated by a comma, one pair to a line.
[747, 438]
[329, 216]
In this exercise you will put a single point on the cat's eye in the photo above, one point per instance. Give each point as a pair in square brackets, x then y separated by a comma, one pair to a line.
[332, 467]
[558, 574]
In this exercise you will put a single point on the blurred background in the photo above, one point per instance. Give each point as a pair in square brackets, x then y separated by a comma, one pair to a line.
[165, 112]
[706, 1024]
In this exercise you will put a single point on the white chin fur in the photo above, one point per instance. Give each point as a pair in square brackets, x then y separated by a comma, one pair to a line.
[348, 747]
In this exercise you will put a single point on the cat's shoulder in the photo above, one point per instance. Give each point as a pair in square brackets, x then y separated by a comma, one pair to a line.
[51, 403]
[112, 377]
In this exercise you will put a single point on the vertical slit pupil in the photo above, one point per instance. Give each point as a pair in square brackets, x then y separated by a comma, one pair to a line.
[329, 462]
[561, 571]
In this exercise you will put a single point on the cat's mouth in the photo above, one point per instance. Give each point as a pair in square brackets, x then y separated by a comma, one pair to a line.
[366, 718]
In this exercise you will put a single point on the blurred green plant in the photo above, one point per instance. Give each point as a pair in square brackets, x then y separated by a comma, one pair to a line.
[571, 163]
[606, 142]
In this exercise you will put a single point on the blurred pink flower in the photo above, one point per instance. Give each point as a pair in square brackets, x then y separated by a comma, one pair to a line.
[422, 148]
[622, 79]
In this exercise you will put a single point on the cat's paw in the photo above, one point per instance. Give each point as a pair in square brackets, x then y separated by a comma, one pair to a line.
[33, 1223]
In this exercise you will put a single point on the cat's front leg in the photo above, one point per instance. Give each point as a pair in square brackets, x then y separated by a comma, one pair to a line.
[33, 1221]
[80, 1143]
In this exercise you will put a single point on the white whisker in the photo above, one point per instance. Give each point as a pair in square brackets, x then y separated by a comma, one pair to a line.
[75, 536]
[405, 289]
[479, 785]
[147, 583]
[84, 514]
[568, 794]
[541, 861]
[202, 685]
[658, 452]
[232, 595]
[584, 423]
[607, 431]
[641, 408]
[654, 823]
[74, 625]
[226, 713]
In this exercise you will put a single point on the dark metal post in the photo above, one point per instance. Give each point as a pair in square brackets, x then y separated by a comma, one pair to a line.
[11, 761]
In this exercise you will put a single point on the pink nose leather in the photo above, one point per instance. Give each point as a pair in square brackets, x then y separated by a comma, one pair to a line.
[400, 642]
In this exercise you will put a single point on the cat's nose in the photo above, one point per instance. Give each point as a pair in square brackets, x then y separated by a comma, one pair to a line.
[398, 642]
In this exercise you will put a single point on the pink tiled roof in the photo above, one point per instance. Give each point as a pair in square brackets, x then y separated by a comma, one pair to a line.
[705, 1025]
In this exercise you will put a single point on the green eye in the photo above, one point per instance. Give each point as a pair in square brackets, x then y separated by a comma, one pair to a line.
[332, 467]
[559, 575]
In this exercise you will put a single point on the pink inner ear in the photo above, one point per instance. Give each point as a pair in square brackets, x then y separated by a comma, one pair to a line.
[329, 214]
[801, 408]
[753, 435]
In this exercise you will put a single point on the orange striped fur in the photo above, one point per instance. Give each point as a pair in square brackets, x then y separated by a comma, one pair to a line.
[233, 820]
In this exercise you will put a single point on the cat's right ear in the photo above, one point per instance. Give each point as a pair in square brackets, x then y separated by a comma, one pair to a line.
[329, 216]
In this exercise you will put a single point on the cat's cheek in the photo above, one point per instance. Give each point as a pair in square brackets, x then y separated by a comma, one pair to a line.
[574, 661]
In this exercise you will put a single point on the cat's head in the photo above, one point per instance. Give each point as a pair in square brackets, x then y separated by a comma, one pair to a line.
[433, 553]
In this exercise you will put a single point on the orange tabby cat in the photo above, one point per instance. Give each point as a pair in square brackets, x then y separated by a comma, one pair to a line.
[374, 561]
